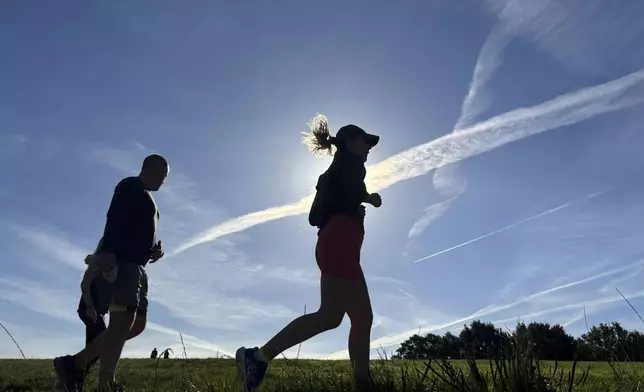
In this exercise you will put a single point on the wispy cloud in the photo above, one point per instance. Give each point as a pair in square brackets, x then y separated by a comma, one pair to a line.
[179, 195]
[610, 286]
[513, 225]
[477, 100]
[407, 294]
[213, 305]
[36, 344]
[52, 302]
[580, 305]
[484, 136]
[448, 185]
[585, 35]
[33, 296]
[446, 180]
[54, 244]
[190, 341]
[398, 338]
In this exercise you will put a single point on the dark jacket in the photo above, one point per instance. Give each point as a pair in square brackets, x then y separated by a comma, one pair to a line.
[340, 190]
[130, 229]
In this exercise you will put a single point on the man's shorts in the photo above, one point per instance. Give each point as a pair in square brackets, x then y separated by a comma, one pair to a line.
[130, 289]
[338, 248]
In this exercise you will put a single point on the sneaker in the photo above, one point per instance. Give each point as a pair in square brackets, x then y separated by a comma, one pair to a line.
[251, 370]
[68, 376]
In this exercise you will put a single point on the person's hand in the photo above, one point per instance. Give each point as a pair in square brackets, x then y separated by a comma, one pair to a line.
[375, 200]
[90, 312]
[156, 253]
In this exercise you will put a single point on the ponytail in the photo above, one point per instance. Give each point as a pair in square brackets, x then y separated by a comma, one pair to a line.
[318, 139]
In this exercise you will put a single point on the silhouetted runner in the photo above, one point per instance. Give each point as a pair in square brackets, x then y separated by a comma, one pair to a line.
[129, 243]
[338, 213]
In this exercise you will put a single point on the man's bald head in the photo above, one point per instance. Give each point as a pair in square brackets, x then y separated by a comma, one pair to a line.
[154, 161]
[154, 171]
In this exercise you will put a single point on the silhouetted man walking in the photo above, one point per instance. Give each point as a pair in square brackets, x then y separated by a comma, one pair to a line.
[129, 243]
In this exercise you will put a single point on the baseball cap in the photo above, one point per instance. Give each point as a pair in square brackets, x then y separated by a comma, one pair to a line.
[350, 131]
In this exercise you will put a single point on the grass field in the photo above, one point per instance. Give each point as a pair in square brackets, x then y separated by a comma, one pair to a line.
[219, 375]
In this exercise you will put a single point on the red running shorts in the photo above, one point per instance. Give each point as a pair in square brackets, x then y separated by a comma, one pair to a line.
[338, 248]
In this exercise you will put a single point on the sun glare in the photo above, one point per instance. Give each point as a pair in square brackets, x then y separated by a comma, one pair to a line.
[304, 173]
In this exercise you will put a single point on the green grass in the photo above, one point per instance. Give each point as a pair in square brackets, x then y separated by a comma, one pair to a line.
[219, 375]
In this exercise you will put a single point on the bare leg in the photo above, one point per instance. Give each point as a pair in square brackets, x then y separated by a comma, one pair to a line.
[361, 316]
[92, 350]
[333, 292]
[139, 325]
[113, 341]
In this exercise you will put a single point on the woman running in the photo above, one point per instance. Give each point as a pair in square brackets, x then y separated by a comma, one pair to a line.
[338, 213]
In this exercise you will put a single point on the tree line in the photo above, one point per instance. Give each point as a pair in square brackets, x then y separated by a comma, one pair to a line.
[482, 340]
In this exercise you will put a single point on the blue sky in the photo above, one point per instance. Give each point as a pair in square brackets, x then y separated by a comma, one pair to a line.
[513, 124]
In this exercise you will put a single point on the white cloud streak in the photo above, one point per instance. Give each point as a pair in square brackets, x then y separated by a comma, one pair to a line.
[584, 35]
[482, 137]
[579, 305]
[477, 100]
[33, 296]
[513, 225]
[61, 250]
[489, 59]
[447, 184]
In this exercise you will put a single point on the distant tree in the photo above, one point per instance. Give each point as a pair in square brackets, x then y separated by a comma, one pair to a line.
[609, 341]
[416, 347]
[450, 346]
[549, 342]
[482, 340]
[561, 345]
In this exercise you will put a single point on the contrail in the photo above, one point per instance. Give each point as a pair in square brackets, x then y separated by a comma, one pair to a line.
[519, 223]
[445, 182]
[488, 61]
[484, 136]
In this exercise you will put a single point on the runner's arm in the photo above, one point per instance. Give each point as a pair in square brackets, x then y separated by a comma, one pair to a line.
[90, 274]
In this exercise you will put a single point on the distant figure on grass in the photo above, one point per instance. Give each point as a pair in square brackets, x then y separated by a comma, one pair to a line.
[166, 354]
[154, 354]
[338, 212]
[129, 243]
